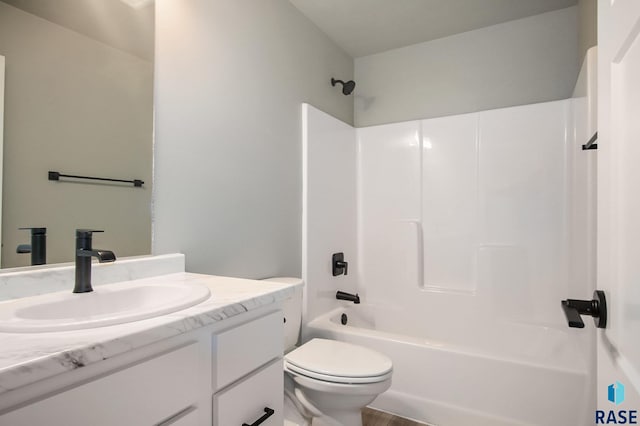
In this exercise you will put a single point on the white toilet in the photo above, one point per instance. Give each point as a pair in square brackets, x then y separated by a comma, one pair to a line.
[327, 380]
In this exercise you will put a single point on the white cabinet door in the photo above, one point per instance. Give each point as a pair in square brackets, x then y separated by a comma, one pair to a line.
[619, 206]
[252, 398]
[144, 394]
[242, 349]
[188, 417]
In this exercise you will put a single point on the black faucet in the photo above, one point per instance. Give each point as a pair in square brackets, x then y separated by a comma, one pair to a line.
[84, 252]
[341, 295]
[38, 246]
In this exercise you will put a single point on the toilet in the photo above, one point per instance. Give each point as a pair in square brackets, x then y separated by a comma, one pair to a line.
[327, 381]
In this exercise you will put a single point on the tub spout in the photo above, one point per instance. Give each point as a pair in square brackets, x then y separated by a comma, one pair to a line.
[341, 295]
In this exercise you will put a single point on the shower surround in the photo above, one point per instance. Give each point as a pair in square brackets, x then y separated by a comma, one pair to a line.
[464, 234]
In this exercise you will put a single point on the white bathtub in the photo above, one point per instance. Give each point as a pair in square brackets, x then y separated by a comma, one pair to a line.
[507, 374]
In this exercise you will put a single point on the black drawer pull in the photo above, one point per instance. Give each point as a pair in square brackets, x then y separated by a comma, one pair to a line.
[268, 413]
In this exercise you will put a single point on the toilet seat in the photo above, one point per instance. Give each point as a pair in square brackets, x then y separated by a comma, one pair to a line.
[339, 362]
[345, 389]
[336, 379]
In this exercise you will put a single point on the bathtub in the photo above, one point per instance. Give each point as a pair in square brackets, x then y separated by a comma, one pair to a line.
[503, 375]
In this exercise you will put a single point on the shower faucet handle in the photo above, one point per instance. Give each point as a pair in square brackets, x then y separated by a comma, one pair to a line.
[597, 308]
[338, 265]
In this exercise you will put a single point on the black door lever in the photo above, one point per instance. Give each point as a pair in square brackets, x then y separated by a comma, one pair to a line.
[597, 308]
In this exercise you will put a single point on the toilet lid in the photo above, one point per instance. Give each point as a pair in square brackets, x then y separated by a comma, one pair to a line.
[341, 362]
[335, 379]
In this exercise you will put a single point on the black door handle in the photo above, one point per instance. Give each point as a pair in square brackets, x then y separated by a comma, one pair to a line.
[268, 412]
[597, 308]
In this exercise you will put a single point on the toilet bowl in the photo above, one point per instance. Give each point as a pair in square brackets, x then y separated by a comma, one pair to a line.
[328, 381]
[335, 380]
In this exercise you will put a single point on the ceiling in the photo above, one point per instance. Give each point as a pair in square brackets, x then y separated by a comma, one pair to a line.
[365, 27]
[109, 21]
[360, 27]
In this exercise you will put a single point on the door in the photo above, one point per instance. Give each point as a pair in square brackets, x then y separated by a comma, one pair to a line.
[1, 140]
[619, 209]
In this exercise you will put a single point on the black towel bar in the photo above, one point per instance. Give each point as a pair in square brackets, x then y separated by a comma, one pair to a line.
[57, 175]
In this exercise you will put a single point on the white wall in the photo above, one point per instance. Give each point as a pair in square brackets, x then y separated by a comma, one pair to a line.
[2, 60]
[329, 209]
[587, 26]
[230, 78]
[77, 106]
[520, 62]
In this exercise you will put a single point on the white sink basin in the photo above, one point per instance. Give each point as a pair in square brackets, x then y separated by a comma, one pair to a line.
[106, 305]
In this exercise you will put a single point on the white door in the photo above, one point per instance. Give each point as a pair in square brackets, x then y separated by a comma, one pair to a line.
[1, 135]
[619, 208]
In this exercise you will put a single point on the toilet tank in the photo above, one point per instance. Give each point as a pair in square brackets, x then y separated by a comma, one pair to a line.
[292, 308]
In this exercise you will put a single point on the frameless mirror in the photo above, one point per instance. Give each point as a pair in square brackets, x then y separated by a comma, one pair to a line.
[78, 100]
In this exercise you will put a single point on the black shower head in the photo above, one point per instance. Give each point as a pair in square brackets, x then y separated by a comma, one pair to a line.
[347, 87]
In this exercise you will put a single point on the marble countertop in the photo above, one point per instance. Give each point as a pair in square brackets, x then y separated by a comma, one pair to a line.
[26, 358]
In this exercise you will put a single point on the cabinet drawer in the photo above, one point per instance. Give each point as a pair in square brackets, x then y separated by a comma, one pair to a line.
[188, 417]
[245, 402]
[143, 394]
[242, 349]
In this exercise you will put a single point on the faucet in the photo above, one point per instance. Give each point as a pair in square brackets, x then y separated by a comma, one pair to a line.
[84, 252]
[38, 246]
[341, 295]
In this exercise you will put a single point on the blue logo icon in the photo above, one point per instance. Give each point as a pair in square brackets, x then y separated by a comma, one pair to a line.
[615, 393]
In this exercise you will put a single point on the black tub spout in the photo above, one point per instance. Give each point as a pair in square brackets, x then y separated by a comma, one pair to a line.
[341, 295]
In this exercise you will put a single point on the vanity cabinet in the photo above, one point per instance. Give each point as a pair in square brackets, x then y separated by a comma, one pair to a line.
[245, 394]
[225, 374]
[150, 392]
[258, 396]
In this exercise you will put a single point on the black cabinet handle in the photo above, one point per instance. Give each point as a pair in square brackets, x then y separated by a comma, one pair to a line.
[268, 412]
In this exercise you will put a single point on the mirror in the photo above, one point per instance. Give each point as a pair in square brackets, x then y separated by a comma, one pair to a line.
[79, 101]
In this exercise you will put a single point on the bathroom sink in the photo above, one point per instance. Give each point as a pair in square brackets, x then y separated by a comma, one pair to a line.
[106, 305]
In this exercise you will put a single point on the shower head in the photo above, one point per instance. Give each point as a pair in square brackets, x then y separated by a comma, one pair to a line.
[347, 87]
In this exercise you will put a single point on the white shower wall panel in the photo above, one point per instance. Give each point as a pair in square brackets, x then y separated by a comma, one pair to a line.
[523, 210]
[389, 179]
[466, 217]
[468, 231]
[329, 208]
[450, 202]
